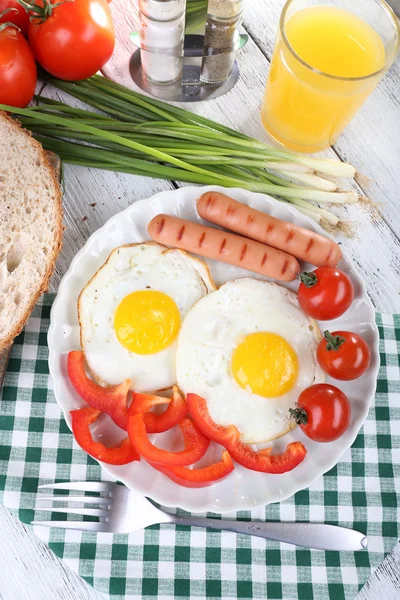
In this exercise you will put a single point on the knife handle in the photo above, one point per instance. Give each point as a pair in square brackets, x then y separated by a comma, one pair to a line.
[310, 535]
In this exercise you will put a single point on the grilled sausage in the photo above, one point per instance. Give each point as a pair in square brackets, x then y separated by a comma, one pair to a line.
[225, 247]
[240, 218]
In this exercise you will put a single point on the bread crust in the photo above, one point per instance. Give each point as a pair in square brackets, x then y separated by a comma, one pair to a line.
[58, 233]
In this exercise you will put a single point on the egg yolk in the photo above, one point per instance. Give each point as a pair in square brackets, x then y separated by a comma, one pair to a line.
[265, 364]
[146, 321]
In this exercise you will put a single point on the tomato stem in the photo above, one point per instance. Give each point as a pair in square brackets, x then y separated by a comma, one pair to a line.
[39, 14]
[333, 341]
[8, 23]
[299, 415]
[309, 279]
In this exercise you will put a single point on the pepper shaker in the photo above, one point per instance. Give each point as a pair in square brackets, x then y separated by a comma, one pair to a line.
[221, 40]
[162, 25]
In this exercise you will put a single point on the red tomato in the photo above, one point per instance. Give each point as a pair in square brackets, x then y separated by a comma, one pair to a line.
[326, 293]
[343, 355]
[75, 41]
[17, 69]
[323, 412]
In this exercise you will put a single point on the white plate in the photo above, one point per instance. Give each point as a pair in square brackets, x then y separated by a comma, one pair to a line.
[243, 489]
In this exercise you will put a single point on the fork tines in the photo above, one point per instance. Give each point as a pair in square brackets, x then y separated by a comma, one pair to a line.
[103, 502]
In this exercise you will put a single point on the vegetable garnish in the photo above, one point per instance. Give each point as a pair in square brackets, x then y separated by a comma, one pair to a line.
[175, 412]
[199, 477]
[118, 455]
[111, 400]
[323, 412]
[325, 293]
[145, 136]
[343, 355]
[71, 39]
[229, 437]
[18, 15]
[196, 444]
[17, 65]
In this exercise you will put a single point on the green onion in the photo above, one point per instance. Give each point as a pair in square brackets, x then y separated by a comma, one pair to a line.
[144, 136]
[312, 180]
[196, 13]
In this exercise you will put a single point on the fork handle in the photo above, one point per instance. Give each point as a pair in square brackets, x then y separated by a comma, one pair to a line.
[310, 535]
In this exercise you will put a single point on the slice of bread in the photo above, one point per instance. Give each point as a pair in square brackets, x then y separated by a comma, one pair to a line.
[30, 225]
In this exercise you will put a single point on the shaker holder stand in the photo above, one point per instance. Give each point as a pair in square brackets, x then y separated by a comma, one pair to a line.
[188, 88]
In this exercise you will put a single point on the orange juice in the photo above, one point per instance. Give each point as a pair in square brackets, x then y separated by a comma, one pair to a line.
[311, 93]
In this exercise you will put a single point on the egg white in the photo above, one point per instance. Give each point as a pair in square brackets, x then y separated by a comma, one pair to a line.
[131, 268]
[210, 333]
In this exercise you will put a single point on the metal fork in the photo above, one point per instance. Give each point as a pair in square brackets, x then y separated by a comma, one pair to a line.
[121, 510]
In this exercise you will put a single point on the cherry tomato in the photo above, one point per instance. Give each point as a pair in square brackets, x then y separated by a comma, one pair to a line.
[325, 293]
[343, 355]
[323, 412]
[17, 68]
[75, 40]
[18, 16]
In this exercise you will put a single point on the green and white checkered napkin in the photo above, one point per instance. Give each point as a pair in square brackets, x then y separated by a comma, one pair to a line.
[166, 562]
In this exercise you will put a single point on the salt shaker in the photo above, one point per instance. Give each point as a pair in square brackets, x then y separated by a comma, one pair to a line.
[162, 25]
[221, 39]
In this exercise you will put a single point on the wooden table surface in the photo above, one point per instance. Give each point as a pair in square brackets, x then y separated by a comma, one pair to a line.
[28, 570]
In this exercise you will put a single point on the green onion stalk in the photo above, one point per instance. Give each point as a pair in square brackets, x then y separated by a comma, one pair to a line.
[196, 14]
[144, 136]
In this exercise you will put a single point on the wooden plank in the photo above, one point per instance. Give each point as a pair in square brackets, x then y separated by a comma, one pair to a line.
[385, 581]
[30, 571]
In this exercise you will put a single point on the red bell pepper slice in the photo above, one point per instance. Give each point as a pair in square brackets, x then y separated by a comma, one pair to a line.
[196, 444]
[197, 478]
[111, 400]
[175, 412]
[118, 455]
[229, 437]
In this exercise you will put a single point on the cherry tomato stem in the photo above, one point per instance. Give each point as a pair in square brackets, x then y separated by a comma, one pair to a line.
[309, 279]
[333, 342]
[299, 415]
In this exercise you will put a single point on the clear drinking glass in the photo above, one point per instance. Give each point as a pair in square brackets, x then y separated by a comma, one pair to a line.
[329, 56]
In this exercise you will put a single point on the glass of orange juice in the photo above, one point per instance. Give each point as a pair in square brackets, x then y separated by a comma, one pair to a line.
[328, 57]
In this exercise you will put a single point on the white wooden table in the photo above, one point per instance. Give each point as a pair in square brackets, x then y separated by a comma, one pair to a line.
[28, 570]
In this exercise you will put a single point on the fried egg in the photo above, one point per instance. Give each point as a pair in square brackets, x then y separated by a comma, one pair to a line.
[131, 311]
[249, 350]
